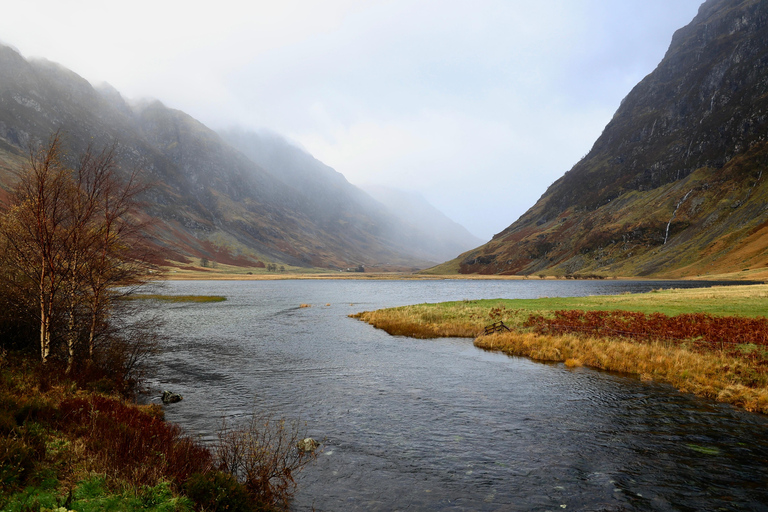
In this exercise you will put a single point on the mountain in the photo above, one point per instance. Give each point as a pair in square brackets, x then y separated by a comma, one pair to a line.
[326, 193]
[675, 184]
[412, 208]
[244, 202]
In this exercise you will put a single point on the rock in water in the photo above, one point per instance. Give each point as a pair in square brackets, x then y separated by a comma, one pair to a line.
[307, 445]
[171, 398]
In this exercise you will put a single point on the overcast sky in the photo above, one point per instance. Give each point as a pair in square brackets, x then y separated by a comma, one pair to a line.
[478, 105]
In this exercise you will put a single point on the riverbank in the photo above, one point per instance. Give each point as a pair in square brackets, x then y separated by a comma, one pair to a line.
[739, 379]
[77, 444]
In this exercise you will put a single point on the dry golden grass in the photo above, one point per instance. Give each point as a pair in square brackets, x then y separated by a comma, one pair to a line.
[711, 375]
[414, 322]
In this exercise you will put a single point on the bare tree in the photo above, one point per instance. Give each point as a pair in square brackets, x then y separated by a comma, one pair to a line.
[33, 230]
[118, 253]
[74, 234]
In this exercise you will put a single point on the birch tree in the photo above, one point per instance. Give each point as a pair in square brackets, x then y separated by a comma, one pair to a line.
[72, 233]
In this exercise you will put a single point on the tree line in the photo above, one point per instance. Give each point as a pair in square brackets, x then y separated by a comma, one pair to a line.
[71, 244]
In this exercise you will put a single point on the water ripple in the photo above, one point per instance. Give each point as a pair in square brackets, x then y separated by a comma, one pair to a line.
[440, 425]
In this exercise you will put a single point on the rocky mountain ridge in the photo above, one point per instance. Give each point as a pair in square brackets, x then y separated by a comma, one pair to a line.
[674, 186]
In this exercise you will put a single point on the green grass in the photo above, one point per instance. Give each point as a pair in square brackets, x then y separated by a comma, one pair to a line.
[467, 318]
[93, 495]
[750, 301]
[177, 298]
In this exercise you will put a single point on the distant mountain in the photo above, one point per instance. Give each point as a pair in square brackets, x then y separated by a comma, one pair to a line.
[252, 199]
[406, 221]
[412, 208]
[676, 185]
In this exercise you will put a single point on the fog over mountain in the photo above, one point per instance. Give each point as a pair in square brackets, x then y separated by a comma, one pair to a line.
[412, 208]
[407, 218]
[452, 99]
[257, 199]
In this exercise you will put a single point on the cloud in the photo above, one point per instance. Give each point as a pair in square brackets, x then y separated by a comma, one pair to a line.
[445, 97]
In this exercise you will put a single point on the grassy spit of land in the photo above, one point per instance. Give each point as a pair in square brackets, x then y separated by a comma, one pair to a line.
[721, 375]
[176, 298]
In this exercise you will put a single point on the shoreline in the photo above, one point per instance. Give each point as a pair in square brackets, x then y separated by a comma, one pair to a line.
[687, 370]
[187, 275]
[740, 381]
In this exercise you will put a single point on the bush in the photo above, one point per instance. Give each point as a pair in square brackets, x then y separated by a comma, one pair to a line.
[217, 491]
[263, 455]
[17, 460]
[7, 422]
[133, 444]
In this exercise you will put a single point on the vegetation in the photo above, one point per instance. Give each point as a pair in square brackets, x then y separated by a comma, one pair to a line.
[70, 354]
[712, 342]
[70, 244]
[63, 444]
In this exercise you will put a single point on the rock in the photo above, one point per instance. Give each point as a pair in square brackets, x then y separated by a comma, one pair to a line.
[171, 398]
[307, 445]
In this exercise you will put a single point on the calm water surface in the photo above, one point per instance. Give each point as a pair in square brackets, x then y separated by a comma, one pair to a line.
[440, 425]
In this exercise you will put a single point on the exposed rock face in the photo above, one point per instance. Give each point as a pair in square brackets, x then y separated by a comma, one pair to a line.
[674, 185]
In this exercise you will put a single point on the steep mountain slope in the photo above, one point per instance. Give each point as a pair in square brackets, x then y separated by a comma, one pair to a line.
[675, 184]
[209, 200]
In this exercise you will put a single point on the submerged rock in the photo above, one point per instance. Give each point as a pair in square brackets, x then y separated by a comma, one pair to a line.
[171, 398]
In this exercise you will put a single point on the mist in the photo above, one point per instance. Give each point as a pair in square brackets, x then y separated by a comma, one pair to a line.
[477, 107]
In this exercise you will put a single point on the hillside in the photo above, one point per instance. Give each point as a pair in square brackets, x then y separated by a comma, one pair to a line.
[674, 186]
[210, 200]
[407, 222]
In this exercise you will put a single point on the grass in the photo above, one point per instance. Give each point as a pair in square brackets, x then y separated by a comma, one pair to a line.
[736, 377]
[177, 298]
[711, 374]
[467, 318]
[93, 494]
[63, 446]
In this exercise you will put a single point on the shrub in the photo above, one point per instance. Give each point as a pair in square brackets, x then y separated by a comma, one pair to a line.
[263, 455]
[218, 491]
[133, 444]
[7, 422]
[17, 460]
[706, 332]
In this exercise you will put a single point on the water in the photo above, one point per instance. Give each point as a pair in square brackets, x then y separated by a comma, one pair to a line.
[440, 425]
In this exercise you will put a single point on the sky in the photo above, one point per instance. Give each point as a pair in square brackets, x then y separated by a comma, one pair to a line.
[477, 105]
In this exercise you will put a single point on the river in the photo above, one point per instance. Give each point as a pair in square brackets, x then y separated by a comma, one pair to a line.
[438, 424]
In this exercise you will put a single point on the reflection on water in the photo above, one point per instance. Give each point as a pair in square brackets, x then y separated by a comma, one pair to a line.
[441, 425]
